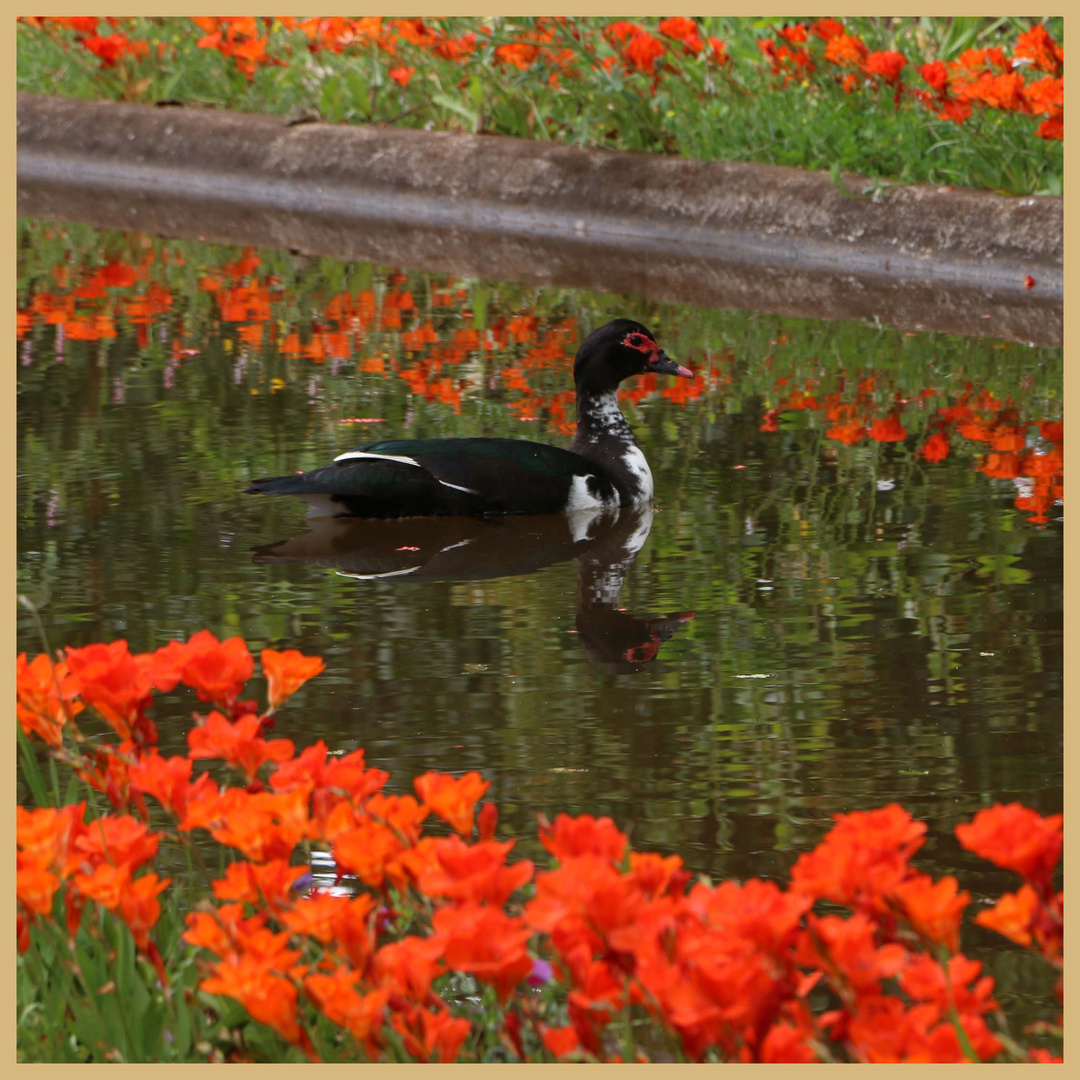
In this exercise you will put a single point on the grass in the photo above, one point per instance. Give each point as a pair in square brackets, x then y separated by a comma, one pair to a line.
[688, 106]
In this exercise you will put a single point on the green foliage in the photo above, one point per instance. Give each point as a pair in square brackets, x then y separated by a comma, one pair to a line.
[738, 112]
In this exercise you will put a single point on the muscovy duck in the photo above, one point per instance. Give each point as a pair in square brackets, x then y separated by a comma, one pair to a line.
[604, 466]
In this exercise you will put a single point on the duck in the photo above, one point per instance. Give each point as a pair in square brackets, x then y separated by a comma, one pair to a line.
[603, 468]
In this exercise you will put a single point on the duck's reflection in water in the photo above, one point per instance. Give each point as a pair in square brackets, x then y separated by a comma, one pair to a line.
[605, 545]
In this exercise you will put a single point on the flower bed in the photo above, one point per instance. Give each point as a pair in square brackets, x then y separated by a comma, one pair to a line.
[978, 102]
[328, 920]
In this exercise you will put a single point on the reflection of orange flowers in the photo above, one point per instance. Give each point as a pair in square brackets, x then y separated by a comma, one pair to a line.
[936, 447]
[888, 430]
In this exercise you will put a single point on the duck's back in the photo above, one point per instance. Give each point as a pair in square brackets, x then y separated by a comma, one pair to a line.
[422, 477]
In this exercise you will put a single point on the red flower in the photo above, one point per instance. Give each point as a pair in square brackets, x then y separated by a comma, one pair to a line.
[643, 52]
[683, 30]
[518, 54]
[486, 942]
[845, 49]
[217, 670]
[718, 53]
[887, 65]
[827, 29]
[453, 800]
[117, 684]
[238, 743]
[1037, 45]
[45, 697]
[1016, 838]
[114, 48]
[933, 909]
[570, 838]
[287, 671]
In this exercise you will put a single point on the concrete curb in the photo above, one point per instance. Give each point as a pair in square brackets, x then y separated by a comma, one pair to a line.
[723, 234]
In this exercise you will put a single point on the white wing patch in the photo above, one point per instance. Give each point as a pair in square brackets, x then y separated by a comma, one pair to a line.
[581, 498]
[358, 455]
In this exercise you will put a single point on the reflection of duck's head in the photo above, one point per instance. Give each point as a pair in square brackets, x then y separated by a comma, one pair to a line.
[605, 544]
[608, 634]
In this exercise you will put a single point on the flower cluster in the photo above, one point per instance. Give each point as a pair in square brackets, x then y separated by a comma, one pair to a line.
[573, 957]
[1029, 81]
[985, 77]
[868, 409]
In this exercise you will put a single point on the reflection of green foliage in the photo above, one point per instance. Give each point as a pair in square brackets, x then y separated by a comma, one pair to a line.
[909, 639]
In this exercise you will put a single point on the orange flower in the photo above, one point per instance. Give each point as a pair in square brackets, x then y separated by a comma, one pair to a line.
[486, 942]
[336, 996]
[408, 966]
[114, 48]
[116, 840]
[45, 697]
[685, 31]
[117, 684]
[345, 774]
[217, 670]
[571, 837]
[518, 54]
[1016, 838]
[167, 780]
[262, 826]
[1037, 45]
[620, 31]
[431, 1036]
[287, 671]
[887, 65]
[366, 850]
[862, 859]
[401, 75]
[643, 51]
[936, 74]
[845, 49]
[453, 800]
[934, 910]
[268, 998]
[718, 51]
[1013, 915]
[561, 1041]
[238, 743]
[474, 873]
[846, 948]
[269, 883]
[140, 907]
[827, 29]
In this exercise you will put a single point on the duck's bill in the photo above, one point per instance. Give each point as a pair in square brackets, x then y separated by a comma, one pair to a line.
[662, 364]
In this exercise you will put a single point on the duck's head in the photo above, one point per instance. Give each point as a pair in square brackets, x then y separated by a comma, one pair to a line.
[616, 351]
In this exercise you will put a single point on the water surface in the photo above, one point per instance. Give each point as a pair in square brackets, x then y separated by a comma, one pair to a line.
[869, 623]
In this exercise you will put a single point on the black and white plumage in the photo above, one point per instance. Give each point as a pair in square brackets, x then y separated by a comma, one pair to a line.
[604, 466]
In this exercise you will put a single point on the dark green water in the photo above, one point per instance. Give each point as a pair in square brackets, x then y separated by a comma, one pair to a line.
[868, 627]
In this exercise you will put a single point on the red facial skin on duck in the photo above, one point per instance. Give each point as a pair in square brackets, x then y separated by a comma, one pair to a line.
[658, 360]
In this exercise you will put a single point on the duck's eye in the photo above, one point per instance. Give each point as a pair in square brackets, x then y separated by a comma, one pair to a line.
[635, 340]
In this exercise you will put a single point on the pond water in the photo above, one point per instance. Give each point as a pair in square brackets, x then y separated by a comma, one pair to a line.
[850, 592]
